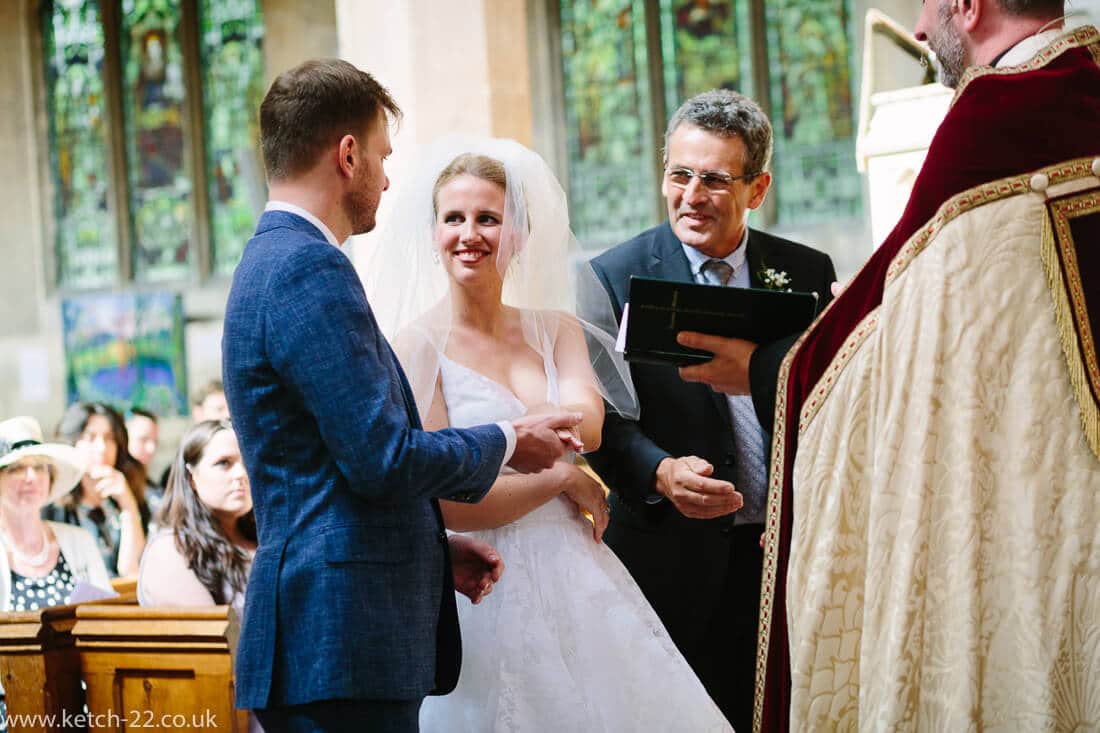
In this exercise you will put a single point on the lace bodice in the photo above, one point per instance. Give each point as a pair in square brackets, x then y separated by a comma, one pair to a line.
[474, 399]
[566, 641]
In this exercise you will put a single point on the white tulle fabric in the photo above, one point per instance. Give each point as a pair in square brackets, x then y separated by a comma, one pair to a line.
[544, 273]
[566, 641]
[945, 556]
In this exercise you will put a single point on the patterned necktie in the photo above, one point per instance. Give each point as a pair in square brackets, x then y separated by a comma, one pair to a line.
[716, 272]
[751, 469]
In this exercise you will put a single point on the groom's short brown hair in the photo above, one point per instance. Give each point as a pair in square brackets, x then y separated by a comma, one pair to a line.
[310, 107]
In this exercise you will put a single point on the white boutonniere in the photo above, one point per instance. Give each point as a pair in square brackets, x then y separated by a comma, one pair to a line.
[773, 279]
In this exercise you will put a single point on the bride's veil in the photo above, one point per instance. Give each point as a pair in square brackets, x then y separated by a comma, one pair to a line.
[544, 274]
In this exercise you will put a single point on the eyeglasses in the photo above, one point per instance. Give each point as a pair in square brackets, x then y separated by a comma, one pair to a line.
[711, 180]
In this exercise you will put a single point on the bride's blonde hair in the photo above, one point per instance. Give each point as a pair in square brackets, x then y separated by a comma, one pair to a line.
[469, 164]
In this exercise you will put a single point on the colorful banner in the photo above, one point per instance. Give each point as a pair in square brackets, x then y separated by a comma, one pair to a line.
[126, 350]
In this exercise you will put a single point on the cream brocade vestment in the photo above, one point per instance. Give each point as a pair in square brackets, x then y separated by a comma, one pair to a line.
[946, 569]
[939, 494]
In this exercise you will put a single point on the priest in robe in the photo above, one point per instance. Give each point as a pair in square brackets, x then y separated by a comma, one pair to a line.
[932, 545]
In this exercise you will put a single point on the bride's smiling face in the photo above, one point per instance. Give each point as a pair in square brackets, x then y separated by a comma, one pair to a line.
[468, 227]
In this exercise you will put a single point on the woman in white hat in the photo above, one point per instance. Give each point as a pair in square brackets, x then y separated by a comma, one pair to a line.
[41, 561]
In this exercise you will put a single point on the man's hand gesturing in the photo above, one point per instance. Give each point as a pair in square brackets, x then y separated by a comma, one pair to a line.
[687, 484]
[542, 439]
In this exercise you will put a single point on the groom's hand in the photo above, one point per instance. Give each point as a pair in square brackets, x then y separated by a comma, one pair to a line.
[542, 439]
[476, 566]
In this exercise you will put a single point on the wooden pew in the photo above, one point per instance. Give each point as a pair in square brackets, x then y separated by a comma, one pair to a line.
[165, 667]
[126, 588]
[40, 668]
[40, 665]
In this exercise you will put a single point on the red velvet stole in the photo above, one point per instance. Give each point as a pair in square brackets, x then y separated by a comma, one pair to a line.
[1002, 123]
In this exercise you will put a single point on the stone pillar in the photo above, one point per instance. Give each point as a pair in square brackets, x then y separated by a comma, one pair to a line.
[295, 31]
[31, 369]
[456, 67]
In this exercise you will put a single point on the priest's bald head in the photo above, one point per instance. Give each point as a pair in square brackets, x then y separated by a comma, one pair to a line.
[965, 33]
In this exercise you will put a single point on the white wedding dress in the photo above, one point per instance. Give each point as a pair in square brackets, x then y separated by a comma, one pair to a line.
[566, 641]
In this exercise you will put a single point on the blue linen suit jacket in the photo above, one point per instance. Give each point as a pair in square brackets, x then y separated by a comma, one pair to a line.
[350, 594]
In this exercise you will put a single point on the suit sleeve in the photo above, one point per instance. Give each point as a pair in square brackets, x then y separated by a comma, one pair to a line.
[766, 360]
[627, 459]
[326, 346]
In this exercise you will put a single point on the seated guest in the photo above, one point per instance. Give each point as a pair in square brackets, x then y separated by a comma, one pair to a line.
[144, 432]
[202, 553]
[208, 402]
[42, 561]
[109, 500]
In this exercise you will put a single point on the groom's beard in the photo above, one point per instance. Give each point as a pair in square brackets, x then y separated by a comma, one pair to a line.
[361, 205]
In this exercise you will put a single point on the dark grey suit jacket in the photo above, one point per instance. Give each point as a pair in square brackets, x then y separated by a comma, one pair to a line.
[680, 563]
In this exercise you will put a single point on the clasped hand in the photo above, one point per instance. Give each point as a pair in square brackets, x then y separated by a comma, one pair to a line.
[687, 484]
[587, 493]
[543, 438]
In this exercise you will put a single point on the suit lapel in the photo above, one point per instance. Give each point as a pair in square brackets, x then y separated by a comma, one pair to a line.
[758, 255]
[667, 258]
[669, 262]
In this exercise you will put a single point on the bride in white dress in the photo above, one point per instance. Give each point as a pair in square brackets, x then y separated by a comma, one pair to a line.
[477, 286]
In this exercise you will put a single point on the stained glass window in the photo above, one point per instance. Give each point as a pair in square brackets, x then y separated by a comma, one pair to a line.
[154, 99]
[138, 91]
[86, 235]
[705, 45]
[809, 52]
[611, 177]
[232, 83]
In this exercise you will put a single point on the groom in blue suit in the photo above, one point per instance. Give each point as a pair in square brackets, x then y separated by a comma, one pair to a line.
[350, 613]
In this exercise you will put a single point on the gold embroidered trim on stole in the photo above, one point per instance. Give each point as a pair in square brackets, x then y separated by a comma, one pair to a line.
[1068, 293]
[824, 385]
[972, 198]
[771, 527]
[955, 206]
[1086, 35]
[775, 490]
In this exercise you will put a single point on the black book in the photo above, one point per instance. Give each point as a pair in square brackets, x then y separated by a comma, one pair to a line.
[659, 309]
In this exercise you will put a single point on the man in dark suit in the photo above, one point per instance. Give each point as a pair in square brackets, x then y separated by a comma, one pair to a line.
[350, 613]
[689, 477]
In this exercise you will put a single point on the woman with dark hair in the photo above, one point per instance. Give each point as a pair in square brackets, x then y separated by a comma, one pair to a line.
[109, 500]
[202, 552]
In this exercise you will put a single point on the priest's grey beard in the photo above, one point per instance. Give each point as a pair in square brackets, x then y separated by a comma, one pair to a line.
[948, 47]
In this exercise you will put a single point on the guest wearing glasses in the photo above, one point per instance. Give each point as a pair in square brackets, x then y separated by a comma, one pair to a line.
[689, 477]
[40, 561]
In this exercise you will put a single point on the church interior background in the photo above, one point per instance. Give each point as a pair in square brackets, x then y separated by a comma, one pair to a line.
[130, 176]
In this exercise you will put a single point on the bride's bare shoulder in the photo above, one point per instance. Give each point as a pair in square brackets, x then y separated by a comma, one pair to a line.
[426, 332]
